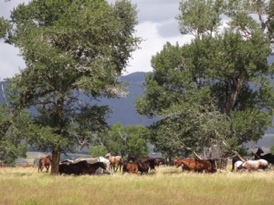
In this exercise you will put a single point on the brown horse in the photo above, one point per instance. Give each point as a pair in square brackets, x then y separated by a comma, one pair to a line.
[115, 161]
[195, 165]
[44, 162]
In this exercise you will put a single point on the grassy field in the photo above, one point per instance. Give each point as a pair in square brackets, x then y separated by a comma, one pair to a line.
[167, 186]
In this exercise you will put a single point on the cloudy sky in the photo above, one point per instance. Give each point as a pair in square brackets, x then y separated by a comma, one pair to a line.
[157, 25]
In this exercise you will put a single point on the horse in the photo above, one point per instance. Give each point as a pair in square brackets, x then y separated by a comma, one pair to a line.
[238, 165]
[159, 160]
[195, 165]
[105, 161]
[44, 162]
[115, 161]
[234, 160]
[268, 157]
[255, 164]
[130, 167]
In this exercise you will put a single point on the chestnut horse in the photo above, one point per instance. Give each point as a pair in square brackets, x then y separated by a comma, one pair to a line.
[115, 162]
[44, 162]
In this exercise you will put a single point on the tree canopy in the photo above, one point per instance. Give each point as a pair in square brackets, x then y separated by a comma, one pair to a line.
[218, 89]
[70, 47]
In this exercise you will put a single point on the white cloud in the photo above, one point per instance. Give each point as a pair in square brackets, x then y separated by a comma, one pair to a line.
[153, 43]
[157, 25]
[10, 61]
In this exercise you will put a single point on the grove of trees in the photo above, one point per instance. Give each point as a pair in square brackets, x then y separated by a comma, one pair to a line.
[215, 92]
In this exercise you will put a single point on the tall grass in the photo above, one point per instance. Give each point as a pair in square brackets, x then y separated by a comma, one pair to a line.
[167, 186]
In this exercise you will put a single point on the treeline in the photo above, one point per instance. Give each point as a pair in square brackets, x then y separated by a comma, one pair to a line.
[202, 91]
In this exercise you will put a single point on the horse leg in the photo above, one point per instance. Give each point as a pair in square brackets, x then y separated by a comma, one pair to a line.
[116, 167]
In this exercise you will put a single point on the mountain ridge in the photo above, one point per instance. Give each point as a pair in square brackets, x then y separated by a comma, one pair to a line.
[124, 111]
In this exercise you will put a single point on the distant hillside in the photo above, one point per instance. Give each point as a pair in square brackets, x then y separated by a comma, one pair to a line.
[125, 112]
[123, 108]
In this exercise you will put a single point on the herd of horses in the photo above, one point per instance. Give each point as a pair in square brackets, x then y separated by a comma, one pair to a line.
[110, 164]
[102, 165]
[259, 161]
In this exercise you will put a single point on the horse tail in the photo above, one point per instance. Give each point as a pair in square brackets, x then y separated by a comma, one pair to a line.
[121, 163]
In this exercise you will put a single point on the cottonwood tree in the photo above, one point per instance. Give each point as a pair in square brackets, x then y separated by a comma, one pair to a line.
[70, 48]
[218, 89]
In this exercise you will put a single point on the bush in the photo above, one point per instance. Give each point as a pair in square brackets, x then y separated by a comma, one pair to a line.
[98, 151]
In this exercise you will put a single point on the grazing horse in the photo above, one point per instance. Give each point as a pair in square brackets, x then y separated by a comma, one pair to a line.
[44, 162]
[150, 161]
[255, 164]
[115, 162]
[92, 168]
[195, 165]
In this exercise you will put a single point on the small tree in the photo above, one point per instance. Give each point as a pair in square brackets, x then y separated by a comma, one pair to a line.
[127, 140]
[97, 151]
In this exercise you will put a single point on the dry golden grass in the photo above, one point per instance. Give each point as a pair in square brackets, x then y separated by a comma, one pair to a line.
[168, 186]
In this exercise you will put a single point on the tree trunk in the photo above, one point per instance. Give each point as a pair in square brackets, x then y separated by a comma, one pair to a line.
[55, 161]
[56, 151]
[236, 85]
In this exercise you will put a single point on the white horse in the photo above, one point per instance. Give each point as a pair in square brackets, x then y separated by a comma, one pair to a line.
[105, 161]
[255, 164]
[238, 165]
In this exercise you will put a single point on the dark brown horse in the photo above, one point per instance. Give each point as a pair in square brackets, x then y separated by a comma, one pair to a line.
[44, 162]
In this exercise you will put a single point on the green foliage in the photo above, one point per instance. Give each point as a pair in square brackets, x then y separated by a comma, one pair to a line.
[70, 48]
[13, 134]
[217, 90]
[129, 140]
[4, 27]
[97, 151]
[200, 16]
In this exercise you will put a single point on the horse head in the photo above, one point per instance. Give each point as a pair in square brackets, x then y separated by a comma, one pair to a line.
[259, 151]
[49, 157]
[108, 155]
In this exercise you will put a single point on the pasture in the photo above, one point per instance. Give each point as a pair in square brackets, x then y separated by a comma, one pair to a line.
[167, 186]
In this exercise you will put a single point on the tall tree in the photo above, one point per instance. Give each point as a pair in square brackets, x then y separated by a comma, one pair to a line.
[217, 89]
[70, 47]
